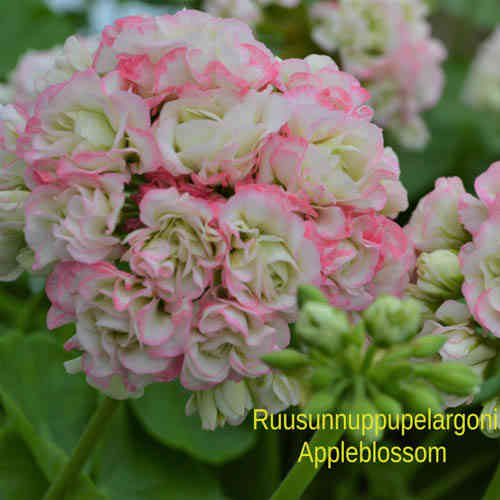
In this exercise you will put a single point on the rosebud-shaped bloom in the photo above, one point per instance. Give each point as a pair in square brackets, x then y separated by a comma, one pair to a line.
[247, 11]
[75, 220]
[480, 265]
[228, 402]
[74, 56]
[339, 90]
[85, 113]
[275, 391]
[439, 275]
[435, 222]
[376, 258]
[127, 337]
[464, 345]
[391, 321]
[216, 135]
[179, 248]
[329, 157]
[161, 54]
[32, 67]
[12, 171]
[473, 212]
[482, 88]
[268, 255]
[227, 344]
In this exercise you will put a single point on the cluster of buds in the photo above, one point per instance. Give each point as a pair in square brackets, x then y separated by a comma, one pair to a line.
[387, 45]
[456, 280]
[375, 365]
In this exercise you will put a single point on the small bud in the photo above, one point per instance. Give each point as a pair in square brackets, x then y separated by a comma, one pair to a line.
[491, 417]
[320, 402]
[309, 293]
[385, 404]
[392, 321]
[322, 326]
[360, 407]
[439, 275]
[323, 376]
[429, 345]
[419, 397]
[287, 359]
[451, 378]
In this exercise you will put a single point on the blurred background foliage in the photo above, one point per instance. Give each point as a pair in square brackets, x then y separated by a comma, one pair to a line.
[152, 450]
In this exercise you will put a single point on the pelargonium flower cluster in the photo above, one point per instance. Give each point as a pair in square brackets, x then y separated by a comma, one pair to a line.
[482, 88]
[179, 184]
[388, 46]
[457, 268]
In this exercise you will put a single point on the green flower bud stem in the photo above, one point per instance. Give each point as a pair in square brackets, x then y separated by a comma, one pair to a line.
[428, 346]
[287, 359]
[95, 429]
[369, 355]
[324, 376]
[326, 400]
[384, 403]
[302, 473]
[398, 353]
[309, 293]
[452, 378]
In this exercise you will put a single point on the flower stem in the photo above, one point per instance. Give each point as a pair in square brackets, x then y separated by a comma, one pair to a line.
[303, 472]
[84, 448]
[493, 491]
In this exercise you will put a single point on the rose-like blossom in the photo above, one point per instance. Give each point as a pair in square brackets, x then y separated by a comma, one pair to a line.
[179, 248]
[371, 258]
[75, 219]
[464, 345]
[386, 44]
[339, 90]
[268, 255]
[85, 113]
[329, 157]
[227, 402]
[480, 262]
[247, 11]
[160, 54]
[435, 223]
[482, 88]
[227, 343]
[472, 212]
[230, 401]
[13, 119]
[7, 93]
[128, 338]
[216, 135]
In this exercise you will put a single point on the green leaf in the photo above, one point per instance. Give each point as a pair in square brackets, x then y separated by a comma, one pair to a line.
[161, 411]
[131, 466]
[20, 478]
[46, 406]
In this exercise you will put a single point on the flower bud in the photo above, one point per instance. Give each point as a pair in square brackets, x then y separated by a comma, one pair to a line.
[419, 397]
[361, 407]
[309, 293]
[392, 321]
[320, 402]
[427, 346]
[439, 275]
[385, 404]
[491, 417]
[323, 376]
[287, 359]
[451, 378]
[322, 326]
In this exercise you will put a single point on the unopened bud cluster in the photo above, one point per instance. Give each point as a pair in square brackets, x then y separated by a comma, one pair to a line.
[377, 365]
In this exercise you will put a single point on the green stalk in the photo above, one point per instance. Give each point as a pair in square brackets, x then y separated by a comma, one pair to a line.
[493, 491]
[84, 448]
[303, 472]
